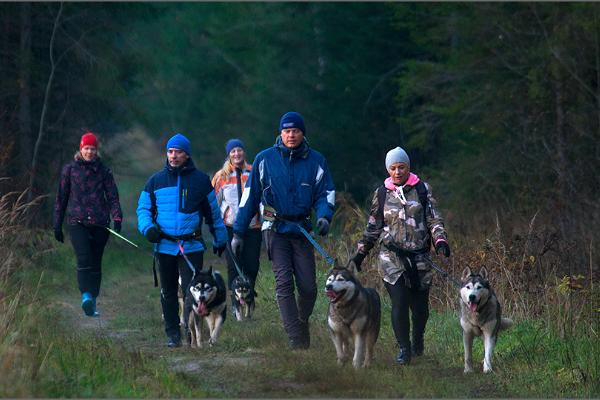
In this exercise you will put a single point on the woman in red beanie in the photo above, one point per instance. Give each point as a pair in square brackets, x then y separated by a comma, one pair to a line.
[89, 196]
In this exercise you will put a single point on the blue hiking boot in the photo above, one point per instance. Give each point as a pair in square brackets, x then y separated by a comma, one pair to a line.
[87, 303]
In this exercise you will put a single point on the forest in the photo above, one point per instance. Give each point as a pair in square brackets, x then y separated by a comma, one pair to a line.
[497, 104]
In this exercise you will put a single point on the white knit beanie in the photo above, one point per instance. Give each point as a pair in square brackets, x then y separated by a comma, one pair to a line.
[396, 155]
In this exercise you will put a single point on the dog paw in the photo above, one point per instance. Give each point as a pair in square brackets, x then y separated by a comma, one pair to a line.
[487, 370]
[212, 342]
[468, 370]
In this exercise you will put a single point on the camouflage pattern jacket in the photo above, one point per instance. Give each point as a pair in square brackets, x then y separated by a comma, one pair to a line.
[404, 234]
[87, 193]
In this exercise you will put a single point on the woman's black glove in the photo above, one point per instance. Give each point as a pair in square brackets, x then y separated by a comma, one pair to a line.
[237, 244]
[58, 234]
[117, 226]
[442, 247]
[357, 260]
[153, 234]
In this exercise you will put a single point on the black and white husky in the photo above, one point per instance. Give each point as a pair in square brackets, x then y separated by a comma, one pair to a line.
[208, 300]
[353, 317]
[242, 297]
[481, 314]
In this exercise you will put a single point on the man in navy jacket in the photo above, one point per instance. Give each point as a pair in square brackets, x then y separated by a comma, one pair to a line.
[287, 181]
[173, 204]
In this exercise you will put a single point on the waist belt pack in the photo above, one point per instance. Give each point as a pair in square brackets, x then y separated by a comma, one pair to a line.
[270, 214]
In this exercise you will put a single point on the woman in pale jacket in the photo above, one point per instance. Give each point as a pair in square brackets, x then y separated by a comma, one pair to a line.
[229, 183]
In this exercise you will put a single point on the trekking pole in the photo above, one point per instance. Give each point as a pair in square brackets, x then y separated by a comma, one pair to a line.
[121, 237]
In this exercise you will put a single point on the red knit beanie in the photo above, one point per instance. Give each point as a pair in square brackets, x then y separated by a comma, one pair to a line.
[88, 139]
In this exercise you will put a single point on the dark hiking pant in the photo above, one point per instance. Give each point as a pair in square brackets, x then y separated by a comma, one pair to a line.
[404, 298]
[249, 260]
[170, 268]
[293, 261]
[88, 243]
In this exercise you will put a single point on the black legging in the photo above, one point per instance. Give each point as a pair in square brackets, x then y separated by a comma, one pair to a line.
[249, 260]
[88, 243]
[402, 298]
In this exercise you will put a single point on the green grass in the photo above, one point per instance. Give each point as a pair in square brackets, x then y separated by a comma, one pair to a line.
[56, 352]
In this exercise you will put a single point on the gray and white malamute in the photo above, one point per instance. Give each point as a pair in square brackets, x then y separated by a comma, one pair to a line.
[242, 297]
[353, 317]
[207, 298]
[481, 314]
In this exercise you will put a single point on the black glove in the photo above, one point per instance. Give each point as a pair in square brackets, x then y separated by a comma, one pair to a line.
[442, 247]
[117, 226]
[357, 260]
[322, 226]
[237, 244]
[218, 250]
[153, 234]
[58, 234]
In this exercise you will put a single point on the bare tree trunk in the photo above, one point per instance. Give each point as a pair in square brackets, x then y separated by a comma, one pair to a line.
[41, 132]
[25, 133]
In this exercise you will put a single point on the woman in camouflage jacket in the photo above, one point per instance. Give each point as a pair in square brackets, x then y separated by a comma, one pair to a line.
[88, 195]
[405, 225]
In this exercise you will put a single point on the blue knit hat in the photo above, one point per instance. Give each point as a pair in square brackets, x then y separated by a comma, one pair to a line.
[232, 144]
[292, 119]
[179, 142]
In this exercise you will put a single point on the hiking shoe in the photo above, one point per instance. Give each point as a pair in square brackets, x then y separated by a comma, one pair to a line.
[298, 344]
[174, 341]
[403, 357]
[87, 304]
[305, 331]
[417, 349]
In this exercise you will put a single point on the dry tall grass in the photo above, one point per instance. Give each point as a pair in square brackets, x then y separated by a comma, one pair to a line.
[532, 273]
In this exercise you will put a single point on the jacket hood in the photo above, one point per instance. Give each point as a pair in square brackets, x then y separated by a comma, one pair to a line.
[411, 181]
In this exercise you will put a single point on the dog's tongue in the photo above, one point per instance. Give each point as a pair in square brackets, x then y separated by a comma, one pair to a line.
[331, 294]
[472, 306]
[242, 301]
[202, 309]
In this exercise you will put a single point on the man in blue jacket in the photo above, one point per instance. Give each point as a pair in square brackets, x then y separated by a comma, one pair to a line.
[170, 211]
[289, 180]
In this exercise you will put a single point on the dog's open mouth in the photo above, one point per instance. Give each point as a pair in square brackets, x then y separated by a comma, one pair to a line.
[473, 305]
[242, 301]
[202, 309]
[333, 295]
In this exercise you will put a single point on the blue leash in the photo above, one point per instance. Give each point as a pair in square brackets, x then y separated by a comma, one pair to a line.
[316, 245]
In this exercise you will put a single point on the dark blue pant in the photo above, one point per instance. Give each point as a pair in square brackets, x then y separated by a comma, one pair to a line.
[293, 261]
[249, 260]
[169, 269]
[88, 243]
[405, 298]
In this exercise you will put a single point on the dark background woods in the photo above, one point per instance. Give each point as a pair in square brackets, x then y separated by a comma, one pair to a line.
[497, 104]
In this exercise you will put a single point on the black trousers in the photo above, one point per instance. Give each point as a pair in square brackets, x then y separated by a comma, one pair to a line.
[293, 259]
[88, 243]
[249, 260]
[403, 299]
[169, 269]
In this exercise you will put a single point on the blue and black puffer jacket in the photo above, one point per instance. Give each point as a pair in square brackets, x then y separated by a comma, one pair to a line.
[178, 200]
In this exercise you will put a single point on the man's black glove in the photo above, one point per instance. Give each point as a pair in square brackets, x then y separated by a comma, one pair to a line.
[58, 234]
[357, 260]
[322, 226]
[153, 234]
[218, 250]
[442, 247]
[117, 226]
[237, 244]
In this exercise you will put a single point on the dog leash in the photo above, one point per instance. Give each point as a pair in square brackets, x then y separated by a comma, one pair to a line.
[235, 260]
[444, 274]
[316, 245]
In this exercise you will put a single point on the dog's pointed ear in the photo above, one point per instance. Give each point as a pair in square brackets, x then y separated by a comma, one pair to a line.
[210, 271]
[466, 273]
[483, 273]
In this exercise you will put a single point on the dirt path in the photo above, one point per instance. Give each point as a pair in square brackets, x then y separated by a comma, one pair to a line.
[252, 359]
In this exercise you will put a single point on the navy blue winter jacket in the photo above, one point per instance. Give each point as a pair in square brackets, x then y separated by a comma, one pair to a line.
[177, 200]
[292, 181]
